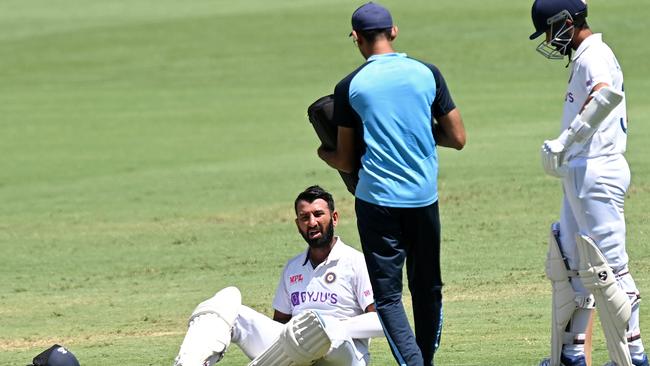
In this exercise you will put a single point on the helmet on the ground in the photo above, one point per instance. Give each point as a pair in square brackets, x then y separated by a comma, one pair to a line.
[55, 356]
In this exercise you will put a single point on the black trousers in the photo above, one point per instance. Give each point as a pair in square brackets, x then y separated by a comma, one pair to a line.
[389, 237]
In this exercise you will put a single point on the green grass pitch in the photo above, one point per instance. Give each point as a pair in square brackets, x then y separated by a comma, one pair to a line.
[150, 152]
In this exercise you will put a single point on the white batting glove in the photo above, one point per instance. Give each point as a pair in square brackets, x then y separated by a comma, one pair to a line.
[552, 156]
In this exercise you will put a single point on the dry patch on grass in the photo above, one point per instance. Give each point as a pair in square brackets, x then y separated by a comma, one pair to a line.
[7, 345]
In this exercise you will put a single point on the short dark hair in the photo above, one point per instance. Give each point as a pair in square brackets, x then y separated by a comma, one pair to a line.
[313, 193]
[581, 23]
[371, 35]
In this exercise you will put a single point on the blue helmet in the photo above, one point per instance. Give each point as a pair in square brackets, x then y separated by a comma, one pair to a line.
[554, 16]
[543, 12]
[55, 356]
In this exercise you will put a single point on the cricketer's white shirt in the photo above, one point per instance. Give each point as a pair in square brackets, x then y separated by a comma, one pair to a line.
[338, 287]
[594, 63]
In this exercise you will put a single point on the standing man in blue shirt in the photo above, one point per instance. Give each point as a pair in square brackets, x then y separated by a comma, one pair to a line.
[390, 103]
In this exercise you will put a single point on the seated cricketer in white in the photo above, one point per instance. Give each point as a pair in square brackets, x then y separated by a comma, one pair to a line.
[324, 308]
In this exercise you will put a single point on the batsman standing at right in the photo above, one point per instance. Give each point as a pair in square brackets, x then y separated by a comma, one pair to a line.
[587, 262]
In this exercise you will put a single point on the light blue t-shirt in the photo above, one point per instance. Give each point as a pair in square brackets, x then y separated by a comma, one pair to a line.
[394, 97]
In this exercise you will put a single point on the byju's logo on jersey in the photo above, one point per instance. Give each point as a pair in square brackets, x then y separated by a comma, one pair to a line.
[302, 297]
[295, 279]
[569, 97]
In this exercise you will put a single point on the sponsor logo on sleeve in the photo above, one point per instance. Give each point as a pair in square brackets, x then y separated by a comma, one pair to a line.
[295, 279]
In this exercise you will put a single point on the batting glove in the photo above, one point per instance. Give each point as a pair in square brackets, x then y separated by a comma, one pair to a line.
[552, 156]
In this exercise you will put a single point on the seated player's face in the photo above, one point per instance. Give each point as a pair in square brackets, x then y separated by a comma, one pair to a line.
[315, 222]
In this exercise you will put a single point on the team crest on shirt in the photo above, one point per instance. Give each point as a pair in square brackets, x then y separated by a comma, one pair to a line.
[330, 277]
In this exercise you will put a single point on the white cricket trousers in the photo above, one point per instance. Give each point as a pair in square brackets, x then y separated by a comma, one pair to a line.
[254, 332]
[594, 194]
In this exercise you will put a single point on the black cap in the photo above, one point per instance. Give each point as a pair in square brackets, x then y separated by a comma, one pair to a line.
[55, 356]
[542, 10]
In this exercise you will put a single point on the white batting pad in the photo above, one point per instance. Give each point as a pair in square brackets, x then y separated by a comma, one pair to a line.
[563, 297]
[209, 331]
[302, 342]
[613, 305]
